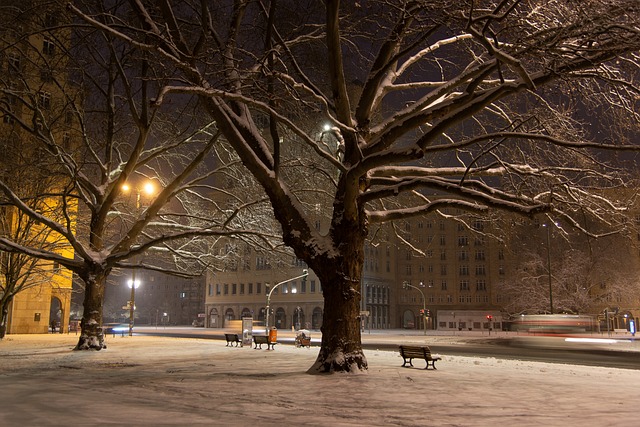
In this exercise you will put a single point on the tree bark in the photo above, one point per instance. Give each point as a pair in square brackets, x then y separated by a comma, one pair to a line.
[341, 348]
[340, 277]
[91, 335]
[4, 313]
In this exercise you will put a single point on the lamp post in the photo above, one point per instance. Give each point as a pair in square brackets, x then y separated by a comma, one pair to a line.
[297, 322]
[148, 188]
[133, 284]
[548, 227]
[305, 273]
[407, 285]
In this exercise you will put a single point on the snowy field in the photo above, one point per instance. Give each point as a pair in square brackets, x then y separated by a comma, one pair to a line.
[177, 381]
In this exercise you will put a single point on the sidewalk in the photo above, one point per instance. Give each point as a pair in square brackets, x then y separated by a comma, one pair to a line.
[143, 380]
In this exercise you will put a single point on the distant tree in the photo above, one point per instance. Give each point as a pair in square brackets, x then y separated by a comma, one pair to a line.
[19, 271]
[580, 275]
[492, 104]
[82, 103]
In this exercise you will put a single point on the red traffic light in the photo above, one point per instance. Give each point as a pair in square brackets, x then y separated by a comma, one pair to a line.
[489, 317]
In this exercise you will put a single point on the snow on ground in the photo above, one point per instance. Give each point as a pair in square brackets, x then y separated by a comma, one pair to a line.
[158, 381]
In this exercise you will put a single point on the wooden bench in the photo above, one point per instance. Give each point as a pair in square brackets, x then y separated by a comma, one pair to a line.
[233, 339]
[258, 340]
[409, 352]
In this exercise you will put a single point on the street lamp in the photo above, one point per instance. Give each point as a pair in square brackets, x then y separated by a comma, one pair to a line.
[148, 188]
[133, 284]
[548, 227]
[297, 323]
[407, 285]
[304, 274]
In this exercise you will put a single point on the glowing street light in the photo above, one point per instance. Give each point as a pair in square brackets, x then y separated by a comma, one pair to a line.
[149, 189]
[133, 284]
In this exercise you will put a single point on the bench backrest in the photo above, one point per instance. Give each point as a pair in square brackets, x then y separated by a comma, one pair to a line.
[408, 351]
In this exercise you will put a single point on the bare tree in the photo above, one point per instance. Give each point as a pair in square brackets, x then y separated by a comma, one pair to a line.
[19, 271]
[96, 130]
[477, 101]
[567, 272]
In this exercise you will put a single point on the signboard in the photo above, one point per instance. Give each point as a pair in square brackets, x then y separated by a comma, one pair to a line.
[247, 331]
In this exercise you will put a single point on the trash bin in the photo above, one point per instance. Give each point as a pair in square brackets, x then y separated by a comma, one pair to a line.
[273, 335]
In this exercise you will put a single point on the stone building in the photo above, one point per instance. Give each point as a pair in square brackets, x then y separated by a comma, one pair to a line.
[34, 71]
[160, 299]
[427, 267]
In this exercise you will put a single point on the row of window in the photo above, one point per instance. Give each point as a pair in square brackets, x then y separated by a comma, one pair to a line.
[14, 60]
[262, 263]
[480, 285]
[258, 289]
[463, 270]
[477, 225]
[462, 299]
[463, 255]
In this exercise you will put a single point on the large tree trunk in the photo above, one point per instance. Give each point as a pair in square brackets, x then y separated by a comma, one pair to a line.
[91, 336]
[341, 349]
[340, 277]
[4, 315]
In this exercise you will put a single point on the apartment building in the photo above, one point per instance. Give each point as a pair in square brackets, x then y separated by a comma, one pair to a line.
[160, 299]
[419, 275]
[34, 71]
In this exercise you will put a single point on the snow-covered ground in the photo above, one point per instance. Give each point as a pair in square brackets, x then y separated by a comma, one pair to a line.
[179, 381]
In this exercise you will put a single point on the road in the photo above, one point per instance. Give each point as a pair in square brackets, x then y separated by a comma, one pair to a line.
[615, 353]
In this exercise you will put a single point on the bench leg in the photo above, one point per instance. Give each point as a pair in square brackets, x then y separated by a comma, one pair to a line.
[405, 363]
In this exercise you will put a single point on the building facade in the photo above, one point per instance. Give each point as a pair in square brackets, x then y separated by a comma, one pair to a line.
[34, 69]
[160, 299]
[428, 267]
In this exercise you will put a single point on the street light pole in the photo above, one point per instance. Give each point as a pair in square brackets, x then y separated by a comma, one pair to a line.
[132, 301]
[148, 189]
[549, 266]
[305, 273]
[406, 285]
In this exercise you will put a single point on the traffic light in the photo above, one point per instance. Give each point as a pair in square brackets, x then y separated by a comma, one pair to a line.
[422, 311]
[489, 317]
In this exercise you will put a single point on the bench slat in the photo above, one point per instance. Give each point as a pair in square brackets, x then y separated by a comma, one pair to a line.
[417, 352]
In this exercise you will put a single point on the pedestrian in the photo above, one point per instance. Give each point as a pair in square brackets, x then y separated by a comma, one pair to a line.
[53, 326]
